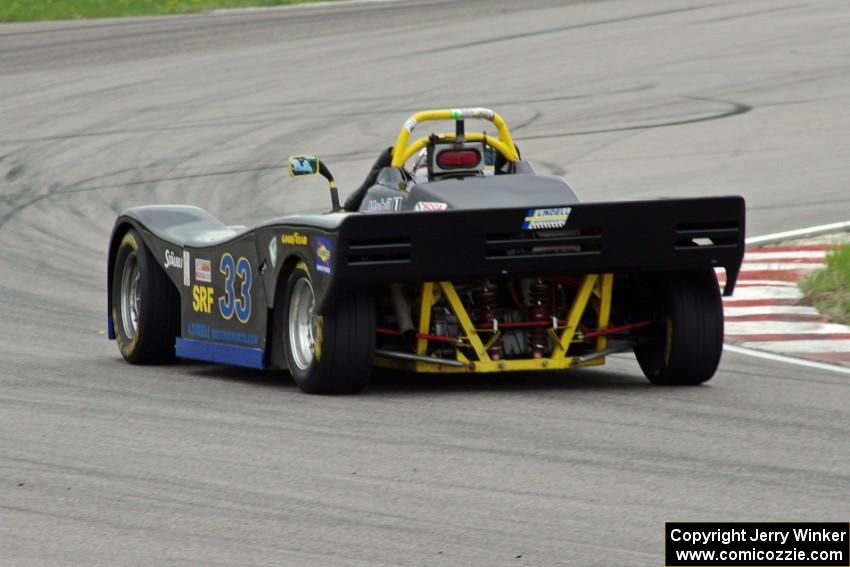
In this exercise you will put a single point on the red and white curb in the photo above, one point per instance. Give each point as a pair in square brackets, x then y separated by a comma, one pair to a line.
[763, 314]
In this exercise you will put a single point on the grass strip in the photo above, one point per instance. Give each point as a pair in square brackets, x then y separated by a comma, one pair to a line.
[829, 289]
[34, 10]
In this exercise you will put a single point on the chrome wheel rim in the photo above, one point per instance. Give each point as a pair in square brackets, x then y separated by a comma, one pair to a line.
[131, 295]
[302, 324]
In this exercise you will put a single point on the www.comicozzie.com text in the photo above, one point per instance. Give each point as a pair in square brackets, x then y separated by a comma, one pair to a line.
[726, 536]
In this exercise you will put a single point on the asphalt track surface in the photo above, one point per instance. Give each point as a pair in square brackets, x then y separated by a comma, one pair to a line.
[102, 463]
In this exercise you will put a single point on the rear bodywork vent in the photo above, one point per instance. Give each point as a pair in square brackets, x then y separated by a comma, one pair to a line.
[548, 244]
[377, 252]
[707, 234]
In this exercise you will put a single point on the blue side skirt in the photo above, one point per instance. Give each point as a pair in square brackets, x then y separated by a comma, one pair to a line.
[220, 353]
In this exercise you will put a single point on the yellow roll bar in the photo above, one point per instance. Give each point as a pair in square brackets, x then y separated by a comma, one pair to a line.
[504, 145]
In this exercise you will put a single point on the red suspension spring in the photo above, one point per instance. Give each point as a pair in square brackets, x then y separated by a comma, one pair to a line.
[540, 309]
[487, 301]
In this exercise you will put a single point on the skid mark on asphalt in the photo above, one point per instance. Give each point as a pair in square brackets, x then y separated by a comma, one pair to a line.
[763, 313]
[749, 14]
[736, 109]
[561, 29]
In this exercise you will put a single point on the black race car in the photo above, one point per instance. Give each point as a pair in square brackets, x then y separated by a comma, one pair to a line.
[468, 263]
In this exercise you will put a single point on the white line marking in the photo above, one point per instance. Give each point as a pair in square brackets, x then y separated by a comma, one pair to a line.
[797, 255]
[812, 230]
[777, 283]
[783, 328]
[774, 238]
[778, 266]
[787, 359]
[770, 310]
[802, 346]
[764, 292]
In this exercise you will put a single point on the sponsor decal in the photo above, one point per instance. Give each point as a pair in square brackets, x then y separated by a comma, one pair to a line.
[272, 251]
[172, 260]
[385, 204]
[198, 330]
[460, 113]
[239, 337]
[538, 219]
[202, 298]
[201, 331]
[294, 239]
[186, 263]
[203, 270]
[323, 255]
[430, 206]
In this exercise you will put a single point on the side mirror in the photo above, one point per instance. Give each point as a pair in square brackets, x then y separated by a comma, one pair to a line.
[310, 165]
[303, 165]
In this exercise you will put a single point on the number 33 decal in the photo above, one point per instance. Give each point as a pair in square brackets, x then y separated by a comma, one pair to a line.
[229, 303]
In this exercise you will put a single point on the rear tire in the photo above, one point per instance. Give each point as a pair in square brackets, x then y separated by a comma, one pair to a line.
[684, 345]
[330, 354]
[145, 305]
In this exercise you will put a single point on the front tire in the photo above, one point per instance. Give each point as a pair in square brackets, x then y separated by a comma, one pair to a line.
[685, 344]
[330, 354]
[145, 305]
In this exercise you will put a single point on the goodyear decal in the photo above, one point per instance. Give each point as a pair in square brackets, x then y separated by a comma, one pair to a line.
[537, 219]
[323, 255]
[294, 239]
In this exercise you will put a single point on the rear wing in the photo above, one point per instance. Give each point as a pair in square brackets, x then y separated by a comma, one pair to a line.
[458, 245]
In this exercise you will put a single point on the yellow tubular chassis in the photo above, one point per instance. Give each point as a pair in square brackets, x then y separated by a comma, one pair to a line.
[472, 344]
